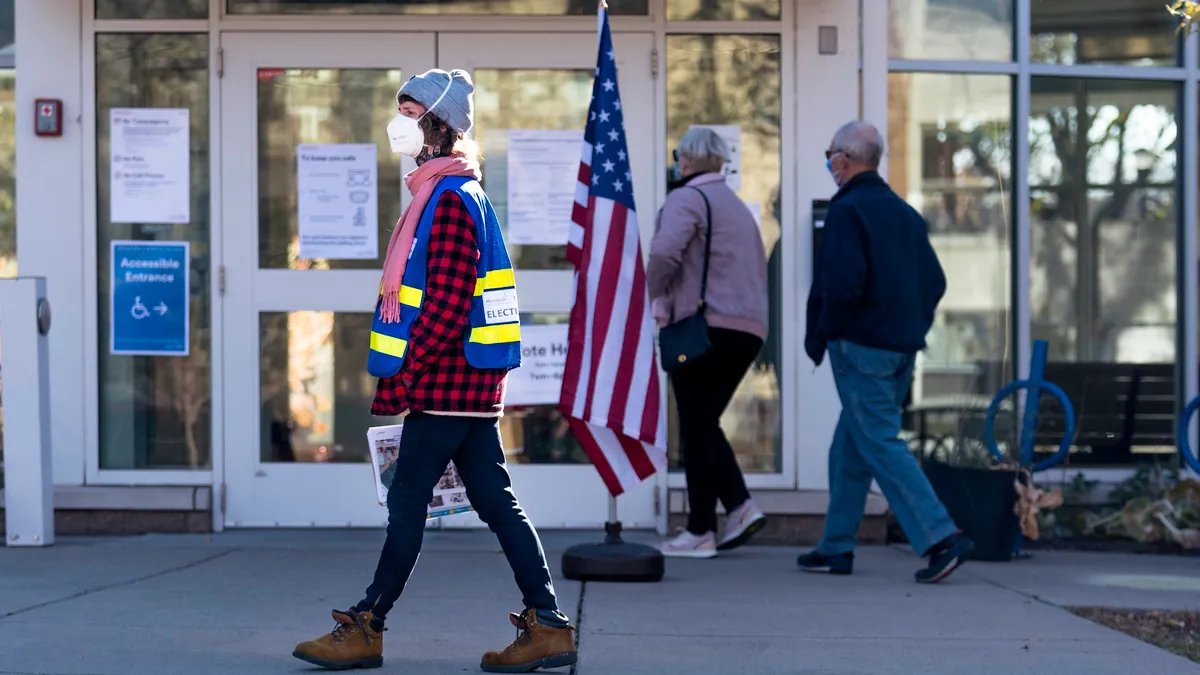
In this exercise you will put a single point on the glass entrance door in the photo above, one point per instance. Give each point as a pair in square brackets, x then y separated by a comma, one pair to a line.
[300, 283]
[300, 278]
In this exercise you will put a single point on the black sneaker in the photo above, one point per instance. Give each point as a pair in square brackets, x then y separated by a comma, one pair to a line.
[842, 563]
[945, 557]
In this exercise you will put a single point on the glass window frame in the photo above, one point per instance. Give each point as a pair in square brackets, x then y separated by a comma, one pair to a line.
[786, 475]
[227, 9]
[93, 473]
[1187, 74]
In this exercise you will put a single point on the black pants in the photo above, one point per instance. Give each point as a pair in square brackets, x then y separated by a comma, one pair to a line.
[703, 389]
[427, 446]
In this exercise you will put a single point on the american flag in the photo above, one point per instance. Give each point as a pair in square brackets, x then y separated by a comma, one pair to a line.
[611, 388]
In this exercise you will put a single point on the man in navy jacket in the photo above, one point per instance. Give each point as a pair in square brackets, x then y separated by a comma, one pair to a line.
[876, 286]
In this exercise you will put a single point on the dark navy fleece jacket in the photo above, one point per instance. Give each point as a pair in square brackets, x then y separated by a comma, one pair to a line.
[877, 281]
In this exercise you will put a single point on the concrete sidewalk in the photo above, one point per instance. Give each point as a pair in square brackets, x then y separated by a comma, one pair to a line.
[238, 602]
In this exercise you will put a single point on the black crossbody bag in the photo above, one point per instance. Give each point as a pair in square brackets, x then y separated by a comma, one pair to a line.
[680, 342]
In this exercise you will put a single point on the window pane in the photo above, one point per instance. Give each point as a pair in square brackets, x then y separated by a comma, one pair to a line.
[1102, 252]
[525, 99]
[8, 28]
[8, 174]
[320, 106]
[735, 80]
[539, 434]
[1103, 163]
[155, 411]
[724, 10]
[511, 7]
[951, 30]
[1128, 32]
[316, 392]
[950, 156]
[151, 9]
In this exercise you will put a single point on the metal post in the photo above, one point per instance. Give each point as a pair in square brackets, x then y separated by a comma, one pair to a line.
[612, 509]
[28, 479]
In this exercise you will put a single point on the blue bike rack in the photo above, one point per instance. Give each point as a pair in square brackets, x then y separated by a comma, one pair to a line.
[1183, 439]
[1035, 384]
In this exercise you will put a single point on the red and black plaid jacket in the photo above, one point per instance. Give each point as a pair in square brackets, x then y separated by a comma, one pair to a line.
[436, 376]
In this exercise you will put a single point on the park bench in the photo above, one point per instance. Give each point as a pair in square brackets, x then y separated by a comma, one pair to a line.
[1124, 412]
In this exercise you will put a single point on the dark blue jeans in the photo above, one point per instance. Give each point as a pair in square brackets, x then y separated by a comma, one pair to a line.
[427, 446]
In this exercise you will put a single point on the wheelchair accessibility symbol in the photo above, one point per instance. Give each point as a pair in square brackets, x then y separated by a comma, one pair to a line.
[139, 311]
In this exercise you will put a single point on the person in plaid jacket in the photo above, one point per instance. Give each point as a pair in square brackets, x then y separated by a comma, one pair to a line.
[445, 337]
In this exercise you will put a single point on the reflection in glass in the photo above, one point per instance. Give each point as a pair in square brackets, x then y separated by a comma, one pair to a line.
[316, 395]
[8, 196]
[315, 390]
[735, 79]
[1, 425]
[8, 174]
[540, 434]
[525, 99]
[320, 106]
[155, 412]
[950, 156]
[1102, 255]
[151, 9]
[509, 7]
[8, 28]
[951, 30]
[723, 10]
[1132, 32]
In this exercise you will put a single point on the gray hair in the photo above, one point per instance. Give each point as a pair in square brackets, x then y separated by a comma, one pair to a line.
[861, 142]
[705, 149]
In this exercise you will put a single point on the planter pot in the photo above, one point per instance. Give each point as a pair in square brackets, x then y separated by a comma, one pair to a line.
[981, 503]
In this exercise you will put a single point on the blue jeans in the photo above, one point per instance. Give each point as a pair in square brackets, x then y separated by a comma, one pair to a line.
[428, 444]
[872, 384]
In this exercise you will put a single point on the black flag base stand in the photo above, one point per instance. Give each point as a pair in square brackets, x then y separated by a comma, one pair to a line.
[614, 559]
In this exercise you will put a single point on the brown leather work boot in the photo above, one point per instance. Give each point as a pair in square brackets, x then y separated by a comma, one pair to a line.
[536, 646]
[351, 644]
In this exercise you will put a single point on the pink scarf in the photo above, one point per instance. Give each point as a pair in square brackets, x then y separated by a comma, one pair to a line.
[421, 183]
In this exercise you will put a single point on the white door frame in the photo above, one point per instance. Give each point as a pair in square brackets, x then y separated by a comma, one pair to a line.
[249, 290]
[554, 495]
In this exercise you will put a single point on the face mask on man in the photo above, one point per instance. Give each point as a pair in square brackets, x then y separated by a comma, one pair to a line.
[404, 133]
[837, 175]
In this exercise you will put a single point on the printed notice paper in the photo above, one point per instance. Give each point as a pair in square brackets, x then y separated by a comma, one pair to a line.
[543, 170]
[149, 157]
[732, 135]
[338, 201]
[543, 360]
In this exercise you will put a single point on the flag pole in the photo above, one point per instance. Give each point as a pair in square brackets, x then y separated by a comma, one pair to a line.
[613, 559]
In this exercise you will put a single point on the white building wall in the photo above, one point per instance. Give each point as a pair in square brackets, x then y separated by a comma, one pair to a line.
[826, 98]
[50, 236]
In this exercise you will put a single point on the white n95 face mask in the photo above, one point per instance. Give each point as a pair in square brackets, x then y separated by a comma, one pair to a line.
[405, 135]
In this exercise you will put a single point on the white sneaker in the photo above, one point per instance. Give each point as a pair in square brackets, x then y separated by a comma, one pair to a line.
[745, 521]
[688, 545]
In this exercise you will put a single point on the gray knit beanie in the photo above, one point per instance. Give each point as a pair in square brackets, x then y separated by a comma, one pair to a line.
[456, 108]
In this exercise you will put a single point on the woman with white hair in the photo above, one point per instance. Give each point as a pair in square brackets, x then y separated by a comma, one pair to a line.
[707, 279]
